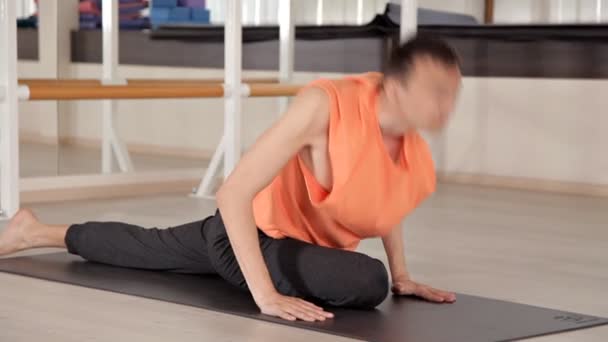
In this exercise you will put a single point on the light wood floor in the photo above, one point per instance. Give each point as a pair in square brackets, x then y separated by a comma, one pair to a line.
[531, 248]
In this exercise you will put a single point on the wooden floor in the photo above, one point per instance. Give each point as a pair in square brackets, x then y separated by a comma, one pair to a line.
[530, 248]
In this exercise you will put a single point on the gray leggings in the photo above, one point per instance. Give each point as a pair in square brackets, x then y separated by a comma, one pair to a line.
[325, 276]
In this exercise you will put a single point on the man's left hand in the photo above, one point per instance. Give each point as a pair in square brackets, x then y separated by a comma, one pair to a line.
[408, 287]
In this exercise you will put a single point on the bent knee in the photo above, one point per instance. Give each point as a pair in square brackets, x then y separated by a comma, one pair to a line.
[376, 284]
[369, 287]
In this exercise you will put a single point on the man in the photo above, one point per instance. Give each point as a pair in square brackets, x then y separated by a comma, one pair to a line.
[344, 163]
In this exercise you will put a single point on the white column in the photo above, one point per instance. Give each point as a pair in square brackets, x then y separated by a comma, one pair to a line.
[9, 119]
[245, 12]
[598, 11]
[109, 66]
[110, 39]
[319, 16]
[360, 12]
[409, 19]
[232, 79]
[560, 11]
[110, 140]
[257, 19]
[286, 50]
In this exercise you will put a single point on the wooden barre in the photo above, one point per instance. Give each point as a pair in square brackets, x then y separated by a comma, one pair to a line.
[135, 81]
[273, 90]
[100, 92]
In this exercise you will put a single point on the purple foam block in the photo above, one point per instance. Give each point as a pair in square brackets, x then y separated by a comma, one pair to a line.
[192, 3]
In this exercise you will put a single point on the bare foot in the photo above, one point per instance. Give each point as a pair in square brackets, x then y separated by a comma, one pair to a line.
[17, 235]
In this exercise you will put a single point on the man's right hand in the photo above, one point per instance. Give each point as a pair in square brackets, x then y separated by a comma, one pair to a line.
[305, 121]
[291, 308]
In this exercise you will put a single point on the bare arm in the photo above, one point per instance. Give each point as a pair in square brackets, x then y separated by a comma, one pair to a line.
[393, 245]
[402, 282]
[306, 118]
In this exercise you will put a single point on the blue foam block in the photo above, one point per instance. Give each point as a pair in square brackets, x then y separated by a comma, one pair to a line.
[200, 15]
[180, 14]
[192, 3]
[164, 3]
[160, 14]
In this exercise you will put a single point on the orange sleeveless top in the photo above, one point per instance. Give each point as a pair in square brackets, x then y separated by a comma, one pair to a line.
[370, 193]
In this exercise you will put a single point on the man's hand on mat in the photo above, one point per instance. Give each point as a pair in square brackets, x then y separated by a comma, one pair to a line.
[412, 288]
[291, 308]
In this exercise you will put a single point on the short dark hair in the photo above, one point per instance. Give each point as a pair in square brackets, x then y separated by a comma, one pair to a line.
[403, 56]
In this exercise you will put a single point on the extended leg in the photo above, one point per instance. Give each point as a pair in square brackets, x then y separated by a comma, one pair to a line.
[180, 249]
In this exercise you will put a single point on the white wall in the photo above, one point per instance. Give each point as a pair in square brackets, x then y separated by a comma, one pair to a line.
[333, 11]
[550, 11]
[532, 128]
[336, 11]
[506, 11]
[469, 7]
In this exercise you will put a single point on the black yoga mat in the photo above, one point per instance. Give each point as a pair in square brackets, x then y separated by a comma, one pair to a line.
[398, 319]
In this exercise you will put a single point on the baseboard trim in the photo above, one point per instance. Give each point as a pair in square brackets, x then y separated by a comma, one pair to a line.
[106, 186]
[37, 138]
[147, 149]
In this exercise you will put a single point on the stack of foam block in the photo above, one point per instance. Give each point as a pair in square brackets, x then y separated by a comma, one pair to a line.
[178, 12]
[129, 12]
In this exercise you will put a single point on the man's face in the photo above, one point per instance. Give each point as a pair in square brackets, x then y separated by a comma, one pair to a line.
[428, 96]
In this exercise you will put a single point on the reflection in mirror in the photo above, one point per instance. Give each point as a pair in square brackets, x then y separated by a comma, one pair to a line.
[151, 135]
[38, 139]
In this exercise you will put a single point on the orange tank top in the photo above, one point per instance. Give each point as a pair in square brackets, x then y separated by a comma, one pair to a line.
[370, 193]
